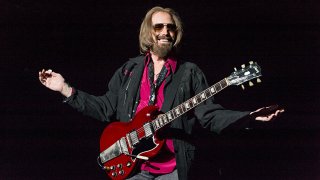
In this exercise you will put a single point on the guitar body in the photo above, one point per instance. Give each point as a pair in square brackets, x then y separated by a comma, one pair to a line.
[123, 165]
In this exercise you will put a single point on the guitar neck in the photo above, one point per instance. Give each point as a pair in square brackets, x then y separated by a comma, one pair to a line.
[176, 112]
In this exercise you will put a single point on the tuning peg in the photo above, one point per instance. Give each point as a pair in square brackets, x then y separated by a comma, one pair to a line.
[235, 69]
[258, 80]
[250, 83]
[242, 86]
[243, 66]
[250, 62]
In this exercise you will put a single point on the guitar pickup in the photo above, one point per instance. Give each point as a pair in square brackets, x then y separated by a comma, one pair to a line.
[148, 131]
[133, 138]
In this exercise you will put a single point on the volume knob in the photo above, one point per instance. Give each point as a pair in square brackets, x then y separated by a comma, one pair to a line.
[121, 172]
[113, 174]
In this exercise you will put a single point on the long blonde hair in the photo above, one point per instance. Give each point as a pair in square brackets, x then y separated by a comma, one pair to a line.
[145, 35]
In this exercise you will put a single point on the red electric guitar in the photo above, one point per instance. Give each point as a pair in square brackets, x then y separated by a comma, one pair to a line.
[124, 145]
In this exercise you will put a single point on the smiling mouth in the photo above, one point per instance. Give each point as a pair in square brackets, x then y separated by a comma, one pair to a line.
[164, 41]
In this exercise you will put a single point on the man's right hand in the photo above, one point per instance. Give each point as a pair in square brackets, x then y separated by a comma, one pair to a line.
[55, 82]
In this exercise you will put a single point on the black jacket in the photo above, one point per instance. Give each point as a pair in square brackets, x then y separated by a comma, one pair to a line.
[122, 97]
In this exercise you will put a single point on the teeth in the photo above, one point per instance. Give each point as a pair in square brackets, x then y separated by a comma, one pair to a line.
[163, 40]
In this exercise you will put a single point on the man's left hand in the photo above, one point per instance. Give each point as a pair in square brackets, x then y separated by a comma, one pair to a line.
[267, 113]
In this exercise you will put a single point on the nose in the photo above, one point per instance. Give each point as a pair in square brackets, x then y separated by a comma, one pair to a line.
[165, 30]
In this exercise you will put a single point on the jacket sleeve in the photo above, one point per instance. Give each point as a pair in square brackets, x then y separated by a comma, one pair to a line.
[210, 114]
[98, 107]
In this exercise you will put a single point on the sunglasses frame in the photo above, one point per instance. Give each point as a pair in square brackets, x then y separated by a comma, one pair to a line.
[160, 26]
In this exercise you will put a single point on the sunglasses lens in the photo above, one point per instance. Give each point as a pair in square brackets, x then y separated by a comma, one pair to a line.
[170, 27]
[158, 27]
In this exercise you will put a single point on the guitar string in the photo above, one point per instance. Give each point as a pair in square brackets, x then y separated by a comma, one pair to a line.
[141, 129]
[180, 107]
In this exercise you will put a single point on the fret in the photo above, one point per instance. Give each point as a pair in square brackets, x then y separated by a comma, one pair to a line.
[187, 105]
[177, 110]
[173, 114]
[212, 89]
[157, 124]
[165, 120]
[160, 121]
[154, 125]
[182, 109]
[169, 116]
[207, 92]
[198, 99]
[203, 96]
[224, 83]
[190, 103]
[194, 101]
[218, 87]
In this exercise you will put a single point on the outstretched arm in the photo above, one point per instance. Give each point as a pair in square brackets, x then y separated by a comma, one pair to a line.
[55, 82]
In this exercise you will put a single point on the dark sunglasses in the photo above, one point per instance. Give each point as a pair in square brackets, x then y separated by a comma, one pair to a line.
[160, 26]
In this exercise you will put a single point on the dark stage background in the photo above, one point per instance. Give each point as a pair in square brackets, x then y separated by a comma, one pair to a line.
[86, 41]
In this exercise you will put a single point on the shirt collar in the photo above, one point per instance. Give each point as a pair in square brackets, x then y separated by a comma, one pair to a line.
[171, 62]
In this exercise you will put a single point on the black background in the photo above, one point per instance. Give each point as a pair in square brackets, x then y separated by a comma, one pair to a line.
[86, 41]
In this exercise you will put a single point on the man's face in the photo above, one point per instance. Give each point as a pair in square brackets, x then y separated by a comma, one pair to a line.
[164, 34]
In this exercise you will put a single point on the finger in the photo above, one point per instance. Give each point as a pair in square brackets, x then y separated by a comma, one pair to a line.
[265, 118]
[42, 79]
[40, 76]
[49, 71]
[278, 112]
[42, 71]
[54, 74]
[45, 73]
[261, 118]
[270, 117]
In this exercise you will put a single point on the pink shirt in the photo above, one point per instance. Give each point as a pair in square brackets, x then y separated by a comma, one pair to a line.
[165, 161]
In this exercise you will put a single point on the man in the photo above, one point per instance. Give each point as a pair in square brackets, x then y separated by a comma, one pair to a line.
[158, 78]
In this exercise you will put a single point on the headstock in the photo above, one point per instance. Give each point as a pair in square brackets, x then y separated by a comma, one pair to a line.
[246, 73]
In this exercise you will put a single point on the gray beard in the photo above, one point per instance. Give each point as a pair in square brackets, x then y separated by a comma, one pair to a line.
[162, 51]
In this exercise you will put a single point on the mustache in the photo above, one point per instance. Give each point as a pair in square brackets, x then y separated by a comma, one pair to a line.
[159, 37]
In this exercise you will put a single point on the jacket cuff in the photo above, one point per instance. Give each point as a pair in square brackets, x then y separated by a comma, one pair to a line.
[67, 99]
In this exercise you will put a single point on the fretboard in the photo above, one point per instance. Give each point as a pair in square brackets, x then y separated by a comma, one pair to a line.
[173, 114]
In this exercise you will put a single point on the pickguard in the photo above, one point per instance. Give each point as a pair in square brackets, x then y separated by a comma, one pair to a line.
[144, 145]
